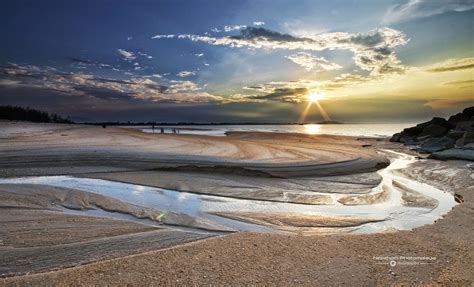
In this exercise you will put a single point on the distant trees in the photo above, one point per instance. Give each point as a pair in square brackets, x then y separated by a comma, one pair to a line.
[14, 113]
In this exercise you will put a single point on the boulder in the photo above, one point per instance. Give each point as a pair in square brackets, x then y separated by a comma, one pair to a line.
[469, 112]
[467, 126]
[464, 116]
[437, 144]
[454, 153]
[438, 134]
[468, 138]
[455, 135]
[468, 146]
[436, 121]
[396, 137]
[457, 118]
[407, 140]
[412, 132]
[433, 130]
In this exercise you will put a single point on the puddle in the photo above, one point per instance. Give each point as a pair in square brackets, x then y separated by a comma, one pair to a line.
[391, 213]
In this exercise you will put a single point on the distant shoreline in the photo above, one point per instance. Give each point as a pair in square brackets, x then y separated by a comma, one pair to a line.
[207, 124]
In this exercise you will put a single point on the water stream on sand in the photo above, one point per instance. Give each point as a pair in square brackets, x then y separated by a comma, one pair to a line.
[389, 214]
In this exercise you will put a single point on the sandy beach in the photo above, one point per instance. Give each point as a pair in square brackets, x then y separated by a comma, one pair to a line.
[115, 206]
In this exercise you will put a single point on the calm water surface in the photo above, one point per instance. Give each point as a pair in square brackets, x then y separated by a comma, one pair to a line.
[370, 130]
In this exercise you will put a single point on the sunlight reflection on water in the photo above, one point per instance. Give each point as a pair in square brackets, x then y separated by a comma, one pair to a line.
[312, 129]
[371, 130]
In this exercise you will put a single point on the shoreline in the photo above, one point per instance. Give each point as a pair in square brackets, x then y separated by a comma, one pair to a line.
[72, 150]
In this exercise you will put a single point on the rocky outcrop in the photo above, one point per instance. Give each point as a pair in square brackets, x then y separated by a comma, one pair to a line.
[436, 144]
[444, 139]
[454, 153]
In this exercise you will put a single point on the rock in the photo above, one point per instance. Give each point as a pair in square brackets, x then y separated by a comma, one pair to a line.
[407, 140]
[435, 127]
[467, 126]
[396, 137]
[468, 146]
[464, 116]
[422, 138]
[457, 118]
[455, 135]
[433, 130]
[436, 121]
[458, 198]
[468, 138]
[412, 132]
[437, 144]
[439, 134]
[469, 112]
[454, 153]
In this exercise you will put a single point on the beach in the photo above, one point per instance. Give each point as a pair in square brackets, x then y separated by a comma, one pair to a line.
[88, 205]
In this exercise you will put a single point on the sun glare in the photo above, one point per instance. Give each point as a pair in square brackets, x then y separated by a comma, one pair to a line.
[314, 97]
[312, 129]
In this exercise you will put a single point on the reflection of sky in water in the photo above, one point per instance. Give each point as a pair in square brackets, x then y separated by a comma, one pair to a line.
[138, 189]
[391, 211]
[371, 130]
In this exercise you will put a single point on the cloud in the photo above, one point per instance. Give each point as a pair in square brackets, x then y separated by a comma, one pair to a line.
[466, 84]
[413, 9]
[292, 95]
[145, 55]
[288, 92]
[373, 51]
[170, 36]
[452, 65]
[456, 83]
[297, 91]
[289, 95]
[84, 64]
[184, 74]
[438, 104]
[230, 28]
[310, 62]
[85, 85]
[258, 23]
[342, 81]
[128, 56]
[6, 82]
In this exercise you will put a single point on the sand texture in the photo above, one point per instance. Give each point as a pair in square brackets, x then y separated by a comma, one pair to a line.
[248, 208]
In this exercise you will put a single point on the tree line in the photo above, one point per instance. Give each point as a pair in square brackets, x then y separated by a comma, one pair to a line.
[15, 113]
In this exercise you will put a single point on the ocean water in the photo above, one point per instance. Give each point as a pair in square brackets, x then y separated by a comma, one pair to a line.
[368, 130]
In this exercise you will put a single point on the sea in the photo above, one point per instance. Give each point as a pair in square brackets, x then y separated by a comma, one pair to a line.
[366, 130]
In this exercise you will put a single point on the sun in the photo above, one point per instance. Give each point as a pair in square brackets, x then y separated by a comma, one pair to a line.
[316, 96]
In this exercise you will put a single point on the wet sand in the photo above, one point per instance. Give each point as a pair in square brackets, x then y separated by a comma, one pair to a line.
[255, 166]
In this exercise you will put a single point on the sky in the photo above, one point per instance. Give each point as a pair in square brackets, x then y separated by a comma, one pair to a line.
[354, 61]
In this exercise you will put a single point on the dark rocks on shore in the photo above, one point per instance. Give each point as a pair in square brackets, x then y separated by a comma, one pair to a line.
[444, 139]
[436, 144]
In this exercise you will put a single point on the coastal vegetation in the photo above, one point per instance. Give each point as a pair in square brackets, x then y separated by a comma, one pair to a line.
[15, 113]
